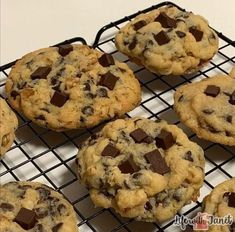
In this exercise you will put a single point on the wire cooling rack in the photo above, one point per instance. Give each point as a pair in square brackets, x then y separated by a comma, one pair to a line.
[41, 155]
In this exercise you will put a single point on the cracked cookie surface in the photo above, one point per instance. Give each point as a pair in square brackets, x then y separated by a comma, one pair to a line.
[168, 41]
[143, 169]
[71, 86]
[221, 202]
[208, 108]
[8, 125]
[34, 207]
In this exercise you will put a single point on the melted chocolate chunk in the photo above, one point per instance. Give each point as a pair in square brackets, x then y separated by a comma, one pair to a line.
[110, 150]
[231, 200]
[41, 212]
[87, 87]
[108, 80]
[26, 218]
[165, 20]
[88, 110]
[6, 206]
[102, 92]
[133, 44]
[139, 25]
[161, 38]
[180, 34]
[164, 140]
[229, 118]
[128, 166]
[232, 227]
[57, 227]
[106, 60]
[232, 98]
[65, 49]
[148, 206]
[61, 209]
[196, 33]
[148, 140]
[40, 117]
[208, 111]
[41, 73]
[188, 156]
[138, 135]
[59, 99]
[158, 164]
[38, 228]
[212, 90]
[43, 193]
[14, 94]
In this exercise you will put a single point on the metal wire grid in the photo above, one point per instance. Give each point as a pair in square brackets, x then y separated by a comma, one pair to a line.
[41, 155]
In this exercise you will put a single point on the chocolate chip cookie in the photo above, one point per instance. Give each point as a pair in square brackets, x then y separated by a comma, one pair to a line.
[208, 108]
[168, 41]
[143, 169]
[8, 125]
[71, 86]
[34, 207]
[221, 202]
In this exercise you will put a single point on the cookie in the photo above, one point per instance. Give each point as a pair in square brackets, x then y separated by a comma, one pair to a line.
[208, 108]
[168, 41]
[220, 203]
[8, 125]
[143, 169]
[71, 86]
[34, 207]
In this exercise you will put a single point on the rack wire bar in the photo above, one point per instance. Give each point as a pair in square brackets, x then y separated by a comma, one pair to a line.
[39, 154]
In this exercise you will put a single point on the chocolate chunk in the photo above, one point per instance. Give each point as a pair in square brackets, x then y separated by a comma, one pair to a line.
[232, 227]
[41, 212]
[61, 209]
[139, 25]
[6, 206]
[43, 193]
[208, 111]
[165, 20]
[232, 98]
[231, 200]
[106, 60]
[102, 92]
[65, 49]
[180, 34]
[26, 218]
[148, 140]
[177, 195]
[40, 117]
[40, 73]
[161, 38]
[138, 135]
[158, 164]
[87, 87]
[14, 94]
[108, 80]
[181, 98]
[229, 118]
[38, 228]
[59, 99]
[164, 140]
[88, 110]
[133, 44]
[212, 90]
[110, 150]
[128, 166]
[196, 33]
[148, 206]
[188, 156]
[57, 227]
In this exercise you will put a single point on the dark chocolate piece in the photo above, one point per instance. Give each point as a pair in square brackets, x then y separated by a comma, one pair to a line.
[128, 166]
[41, 73]
[6, 206]
[196, 33]
[139, 25]
[161, 38]
[106, 60]
[41, 213]
[138, 135]
[212, 90]
[188, 156]
[232, 227]
[57, 227]
[39, 228]
[43, 193]
[59, 99]
[65, 49]
[165, 20]
[133, 44]
[102, 92]
[232, 98]
[87, 87]
[164, 140]
[110, 150]
[40, 117]
[88, 110]
[14, 94]
[158, 164]
[229, 118]
[108, 80]
[231, 200]
[148, 206]
[180, 34]
[26, 218]
[208, 111]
